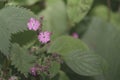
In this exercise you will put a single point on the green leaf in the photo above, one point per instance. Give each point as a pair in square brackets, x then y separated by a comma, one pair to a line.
[2, 60]
[61, 76]
[54, 69]
[24, 38]
[22, 2]
[21, 59]
[77, 56]
[74, 76]
[85, 63]
[13, 20]
[77, 9]
[55, 18]
[114, 18]
[65, 44]
[4, 40]
[104, 39]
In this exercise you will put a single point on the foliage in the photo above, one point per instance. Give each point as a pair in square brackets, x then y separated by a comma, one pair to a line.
[51, 51]
[21, 2]
[14, 20]
[21, 58]
[77, 56]
[103, 38]
[55, 67]
[55, 18]
[77, 10]
[104, 15]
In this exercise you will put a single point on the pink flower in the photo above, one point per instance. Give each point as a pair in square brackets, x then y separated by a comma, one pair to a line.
[75, 35]
[33, 71]
[44, 37]
[33, 24]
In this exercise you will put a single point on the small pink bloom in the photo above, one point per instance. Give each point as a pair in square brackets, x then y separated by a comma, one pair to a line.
[44, 37]
[33, 71]
[33, 24]
[75, 35]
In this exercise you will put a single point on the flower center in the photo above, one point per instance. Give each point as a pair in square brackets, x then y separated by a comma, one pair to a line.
[43, 36]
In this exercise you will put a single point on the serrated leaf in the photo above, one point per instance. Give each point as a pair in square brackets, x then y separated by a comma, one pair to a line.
[55, 18]
[77, 56]
[13, 20]
[77, 9]
[4, 40]
[104, 39]
[21, 59]
[22, 2]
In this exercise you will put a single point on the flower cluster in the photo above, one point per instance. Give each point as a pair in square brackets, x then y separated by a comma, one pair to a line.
[43, 37]
[39, 68]
[35, 25]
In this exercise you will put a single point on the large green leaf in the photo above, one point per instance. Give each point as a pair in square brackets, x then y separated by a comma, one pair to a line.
[74, 76]
[55, 19]
[77, 9]
[104, 39]
[21, 59]
[65, 44]
[77, 56]
[85, 63]
[13, 20]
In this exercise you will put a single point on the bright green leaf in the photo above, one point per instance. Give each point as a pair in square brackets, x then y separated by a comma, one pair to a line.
[77, 9]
